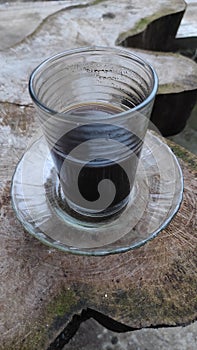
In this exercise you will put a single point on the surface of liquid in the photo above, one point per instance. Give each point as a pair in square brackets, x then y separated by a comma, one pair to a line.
[121, 171]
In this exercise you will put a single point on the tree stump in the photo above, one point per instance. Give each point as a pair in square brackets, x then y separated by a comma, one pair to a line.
[56, 26]
[44, 292]
[186, 37]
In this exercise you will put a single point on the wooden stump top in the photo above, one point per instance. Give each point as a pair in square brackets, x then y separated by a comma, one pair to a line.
[42, 288]
[44, 292]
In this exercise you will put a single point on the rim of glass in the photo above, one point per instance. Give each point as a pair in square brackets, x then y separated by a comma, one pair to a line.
[122, 52]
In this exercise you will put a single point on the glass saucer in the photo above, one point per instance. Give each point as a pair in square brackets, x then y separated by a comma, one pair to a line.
[40, 206]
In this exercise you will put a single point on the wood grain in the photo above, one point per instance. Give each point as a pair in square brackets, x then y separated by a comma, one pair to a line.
[43, 291]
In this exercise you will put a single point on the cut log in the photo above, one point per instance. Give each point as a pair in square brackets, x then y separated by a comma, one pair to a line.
[44, 292]
[188, 27]
[177, 91]
[98, 22]
[19, 20]
[127, 17]
[153, 34]
[186, 38]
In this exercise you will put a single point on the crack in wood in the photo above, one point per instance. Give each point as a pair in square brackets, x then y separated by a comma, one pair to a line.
[72, 327]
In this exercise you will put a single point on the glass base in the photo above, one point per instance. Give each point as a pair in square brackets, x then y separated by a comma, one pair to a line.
[41, 207]
[89, 215]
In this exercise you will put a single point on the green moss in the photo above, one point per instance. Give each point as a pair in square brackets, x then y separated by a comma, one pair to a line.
[170, 88]
[62, 303]
[185, 155]
[96, 2]
[153, 306]
[172, 301]
[139, 27]
[56, 315]
[142, 25]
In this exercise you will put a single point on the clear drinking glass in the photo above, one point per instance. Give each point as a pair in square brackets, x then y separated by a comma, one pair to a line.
[94, 106]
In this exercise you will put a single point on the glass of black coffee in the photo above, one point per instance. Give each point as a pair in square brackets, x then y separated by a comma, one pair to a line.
[94, 106]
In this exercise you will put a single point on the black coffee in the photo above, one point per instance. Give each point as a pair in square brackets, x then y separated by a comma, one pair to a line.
[121, 171]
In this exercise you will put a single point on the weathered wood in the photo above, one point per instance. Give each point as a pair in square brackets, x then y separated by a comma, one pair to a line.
[126, 16]
[176, 92]
[153, 33]
[62, 26]
[188, 26]
[42, 289]
[186, 38]
[172, 31]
